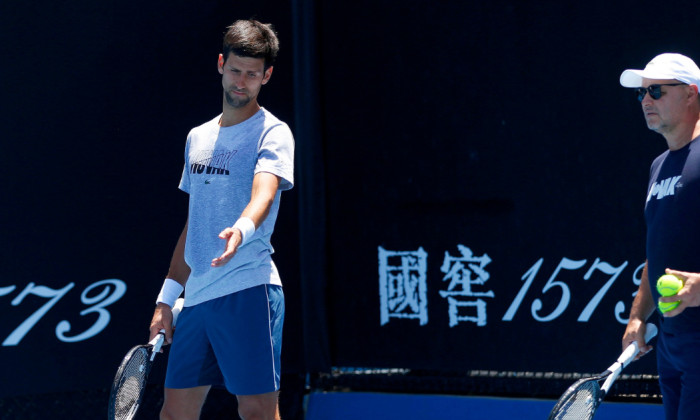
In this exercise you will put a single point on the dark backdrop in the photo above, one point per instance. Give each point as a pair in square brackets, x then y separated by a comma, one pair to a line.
[438, 126]
[500, 126]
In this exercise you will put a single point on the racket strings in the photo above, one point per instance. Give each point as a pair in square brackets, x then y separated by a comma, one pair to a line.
[130, 384]
[580, 403]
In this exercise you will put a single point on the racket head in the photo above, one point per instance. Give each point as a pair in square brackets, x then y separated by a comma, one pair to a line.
[579, 402]
[129, 383]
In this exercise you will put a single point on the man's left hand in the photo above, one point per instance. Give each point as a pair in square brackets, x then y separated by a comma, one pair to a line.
[689, 295]
[233, 239]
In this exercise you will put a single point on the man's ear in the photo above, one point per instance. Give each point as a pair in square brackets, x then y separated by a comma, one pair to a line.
[267, 75]
[694, 89]
[693, 95]
[220, 64]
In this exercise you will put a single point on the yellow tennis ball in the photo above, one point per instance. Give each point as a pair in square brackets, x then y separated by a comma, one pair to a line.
[665, 307]
[668, 285]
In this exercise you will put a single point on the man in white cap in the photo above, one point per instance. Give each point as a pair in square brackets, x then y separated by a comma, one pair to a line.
[668, 91]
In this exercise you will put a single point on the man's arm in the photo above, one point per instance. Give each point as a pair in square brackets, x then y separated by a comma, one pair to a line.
[265, 186]
[178, 271]
[642, 308]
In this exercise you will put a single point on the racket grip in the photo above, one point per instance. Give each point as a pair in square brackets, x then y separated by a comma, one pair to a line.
[631, 351]
[651, 332]
[157, 341]
[179, 303]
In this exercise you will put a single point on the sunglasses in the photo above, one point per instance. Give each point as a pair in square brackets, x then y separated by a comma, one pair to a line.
[654, 90]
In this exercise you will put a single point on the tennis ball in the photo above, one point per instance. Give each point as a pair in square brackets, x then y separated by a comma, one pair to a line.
[665, 307]
[668, 285]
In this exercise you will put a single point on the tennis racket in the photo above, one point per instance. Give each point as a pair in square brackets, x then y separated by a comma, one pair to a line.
[583, 398]
[130, 381]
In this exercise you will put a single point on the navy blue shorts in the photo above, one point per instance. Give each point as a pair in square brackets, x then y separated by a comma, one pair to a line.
[233, 341]
[678, 358]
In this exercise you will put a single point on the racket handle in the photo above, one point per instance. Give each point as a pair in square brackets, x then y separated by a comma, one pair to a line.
[651, 332]
[631, 351]
[157, 341]
[179, 303]
[626, 357]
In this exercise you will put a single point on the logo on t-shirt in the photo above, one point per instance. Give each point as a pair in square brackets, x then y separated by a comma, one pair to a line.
[664, 188]
[211, 162]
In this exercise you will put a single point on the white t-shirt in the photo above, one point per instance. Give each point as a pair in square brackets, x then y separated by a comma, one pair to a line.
[220, 163]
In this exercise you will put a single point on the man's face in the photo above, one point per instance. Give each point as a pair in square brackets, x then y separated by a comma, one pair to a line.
[663, 114]
[242, 79]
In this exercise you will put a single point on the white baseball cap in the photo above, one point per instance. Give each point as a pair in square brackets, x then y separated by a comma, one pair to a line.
[664, 66]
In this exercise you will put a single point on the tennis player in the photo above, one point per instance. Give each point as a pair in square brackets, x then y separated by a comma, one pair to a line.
[668, 91]
[236, 165]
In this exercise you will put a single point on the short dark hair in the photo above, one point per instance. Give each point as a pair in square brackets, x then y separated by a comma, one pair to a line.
[250, 38]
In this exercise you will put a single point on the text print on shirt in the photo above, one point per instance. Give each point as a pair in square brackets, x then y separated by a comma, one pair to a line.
[664, 188]
[212, 162]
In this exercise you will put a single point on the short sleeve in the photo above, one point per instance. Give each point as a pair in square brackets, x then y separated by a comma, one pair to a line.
[276, 155]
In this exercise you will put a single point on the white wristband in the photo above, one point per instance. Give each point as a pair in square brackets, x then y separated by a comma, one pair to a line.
[247, 228]
[169, 292]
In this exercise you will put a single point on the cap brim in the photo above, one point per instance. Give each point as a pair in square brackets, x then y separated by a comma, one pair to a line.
[631, 78]
[635, 78]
